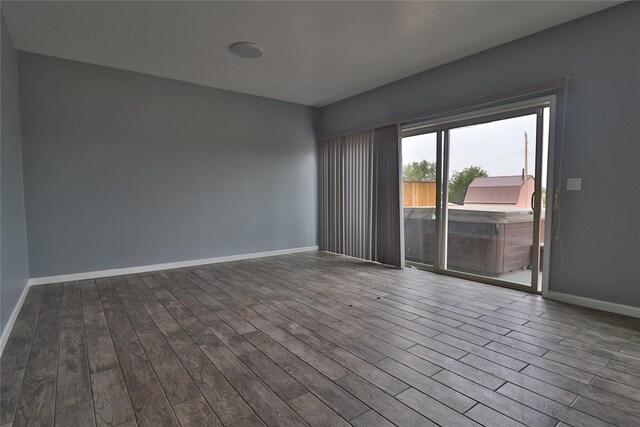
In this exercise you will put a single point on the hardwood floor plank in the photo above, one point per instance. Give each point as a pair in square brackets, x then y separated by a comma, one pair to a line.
[100, 350]
[77, 414]
[149, 402]
[602, 395]
[196, 413]
[176, 383]
[426, 341]
[435, 332]
[444, 394]
[16, 353]
[542, 332]
[617, 388]
[475, 336]
[278, 380]
[479, 322]
[286, 329]
[111, 398]
[36, 405]
[488, 417]
[74, 404]
[313, 339]
[412, 361]
[505, 340]
[359, 349]
[592, 368]
[624, 367]
[434, 410]
[322, 363]
[313, 297]
[194, 317]
[335, 397]
[315, 413]
[483, 352]
[613, 355]
[352, 326]
[462, 369]
[10, 387]
[605, 412]
[345, 358]
[203, 306]
[381, 402]
[250, 421]
[111, 402]
[369, 372]
[561, 348]
[549, 407]
[371, 418]
[547, 364]
[227, 404]
[267, 405]
[494, 400]
[632, 349]
[517, 378]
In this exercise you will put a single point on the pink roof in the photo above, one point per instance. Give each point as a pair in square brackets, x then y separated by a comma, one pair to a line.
[507, 190]
[498, 181]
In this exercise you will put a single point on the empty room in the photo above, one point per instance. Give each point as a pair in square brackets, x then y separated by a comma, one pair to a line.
[320, 213]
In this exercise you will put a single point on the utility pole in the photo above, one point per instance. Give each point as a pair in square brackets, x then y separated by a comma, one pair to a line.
[526, 167]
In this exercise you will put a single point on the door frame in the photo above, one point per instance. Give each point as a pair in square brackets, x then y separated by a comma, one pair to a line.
[441, 126]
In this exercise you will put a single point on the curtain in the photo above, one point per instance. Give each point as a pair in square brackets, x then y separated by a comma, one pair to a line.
[360, 195]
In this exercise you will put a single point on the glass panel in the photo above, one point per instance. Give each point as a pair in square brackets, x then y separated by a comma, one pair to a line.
[419, 197]
[491, 184]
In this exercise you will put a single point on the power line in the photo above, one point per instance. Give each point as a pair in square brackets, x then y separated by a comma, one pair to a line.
[502, 158]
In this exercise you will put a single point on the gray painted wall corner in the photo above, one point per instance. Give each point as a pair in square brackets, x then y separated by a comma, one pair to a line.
[14, 268]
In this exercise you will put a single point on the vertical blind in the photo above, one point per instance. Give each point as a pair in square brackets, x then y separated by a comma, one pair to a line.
[360, 195]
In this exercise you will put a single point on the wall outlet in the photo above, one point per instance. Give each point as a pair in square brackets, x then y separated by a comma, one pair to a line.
[574, 184]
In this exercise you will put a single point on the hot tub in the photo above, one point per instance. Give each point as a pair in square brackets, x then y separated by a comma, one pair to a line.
[487, 240]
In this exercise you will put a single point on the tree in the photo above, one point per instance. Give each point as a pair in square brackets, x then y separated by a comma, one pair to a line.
[419, 171]
[460, 181]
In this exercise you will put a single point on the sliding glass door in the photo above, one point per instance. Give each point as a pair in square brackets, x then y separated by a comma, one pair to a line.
[419, 185]
[473, 195]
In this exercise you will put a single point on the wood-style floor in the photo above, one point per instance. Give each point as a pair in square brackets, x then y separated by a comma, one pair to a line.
[314, 339]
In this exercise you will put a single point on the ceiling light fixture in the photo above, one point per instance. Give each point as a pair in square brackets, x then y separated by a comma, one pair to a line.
[246, 50]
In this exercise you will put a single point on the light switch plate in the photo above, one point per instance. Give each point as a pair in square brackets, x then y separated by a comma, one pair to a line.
[574, 184]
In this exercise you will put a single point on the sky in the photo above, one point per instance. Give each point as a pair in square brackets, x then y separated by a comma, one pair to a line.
[497, 147]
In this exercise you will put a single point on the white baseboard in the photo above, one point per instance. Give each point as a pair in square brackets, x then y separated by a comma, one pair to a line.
[14, 315]
[167, 266]
[612, 307]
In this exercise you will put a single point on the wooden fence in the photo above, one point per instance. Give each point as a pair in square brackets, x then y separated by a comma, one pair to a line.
[418, 193]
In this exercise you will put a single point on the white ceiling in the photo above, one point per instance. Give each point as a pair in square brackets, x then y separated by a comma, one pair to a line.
[315, 52]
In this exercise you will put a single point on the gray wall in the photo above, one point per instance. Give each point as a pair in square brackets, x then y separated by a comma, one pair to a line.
[14, 270]
[124, 169]
[601, 52]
